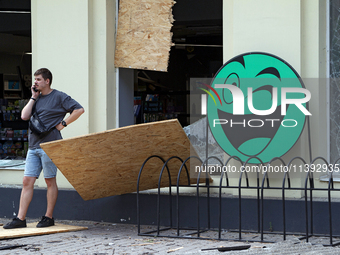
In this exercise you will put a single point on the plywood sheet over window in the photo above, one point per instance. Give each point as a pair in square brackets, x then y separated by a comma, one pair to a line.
[143, 35]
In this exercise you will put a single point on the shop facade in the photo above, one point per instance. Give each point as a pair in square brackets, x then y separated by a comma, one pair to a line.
[76, 41]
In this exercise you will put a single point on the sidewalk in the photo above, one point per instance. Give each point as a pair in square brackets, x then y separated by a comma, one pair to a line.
[110, 238]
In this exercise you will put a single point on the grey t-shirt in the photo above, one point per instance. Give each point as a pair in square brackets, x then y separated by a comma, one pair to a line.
[51, 110]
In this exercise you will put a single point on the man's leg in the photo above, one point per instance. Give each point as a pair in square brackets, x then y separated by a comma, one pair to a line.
[50, 173]
[32, 171]
[52, 194]
[26, 196]
[25, 200]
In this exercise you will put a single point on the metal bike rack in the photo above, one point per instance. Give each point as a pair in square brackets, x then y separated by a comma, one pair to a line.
[260, 187]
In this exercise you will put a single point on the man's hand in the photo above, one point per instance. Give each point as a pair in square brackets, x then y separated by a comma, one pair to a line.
[35, 94]
[59, 127]
[73, 116]
[27, 110]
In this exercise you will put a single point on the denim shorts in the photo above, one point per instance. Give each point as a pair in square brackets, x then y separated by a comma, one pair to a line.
[36, 160]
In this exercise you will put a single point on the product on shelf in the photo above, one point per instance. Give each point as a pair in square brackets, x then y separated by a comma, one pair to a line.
[13, 131]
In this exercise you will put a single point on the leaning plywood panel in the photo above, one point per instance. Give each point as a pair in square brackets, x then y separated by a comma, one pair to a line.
[143, 34]
[107, 163]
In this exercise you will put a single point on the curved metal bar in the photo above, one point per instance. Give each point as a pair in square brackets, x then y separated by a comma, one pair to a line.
[312, 163]
[330, 181]
[262, 191]
[308, 177]
[240, 195]
[226, 173]
[138, 181]
[220, 193]
[178, 177]
[309, 136]
[197, 193]
[311, 197]
[283, 191]
[288, 166]
[159, 190]
[337, 160]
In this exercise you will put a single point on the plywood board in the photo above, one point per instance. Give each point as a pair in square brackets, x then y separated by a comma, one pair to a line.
[143, 35]
[32, 230]
[107, 163]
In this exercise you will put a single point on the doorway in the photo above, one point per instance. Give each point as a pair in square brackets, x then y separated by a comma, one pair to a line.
[196, 52]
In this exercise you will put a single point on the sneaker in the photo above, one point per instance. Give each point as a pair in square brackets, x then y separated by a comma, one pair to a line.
[45, 222]
[15, 223]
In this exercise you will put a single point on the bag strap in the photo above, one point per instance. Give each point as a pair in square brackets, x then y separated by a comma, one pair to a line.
[37, 117]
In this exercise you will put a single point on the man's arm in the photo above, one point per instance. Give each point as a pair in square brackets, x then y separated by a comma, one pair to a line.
[27, 110]
[73, 116]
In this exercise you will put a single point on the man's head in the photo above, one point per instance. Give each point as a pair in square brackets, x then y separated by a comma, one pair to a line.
[45, 73]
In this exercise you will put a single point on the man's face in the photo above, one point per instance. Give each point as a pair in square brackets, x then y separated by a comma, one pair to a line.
[40, 83]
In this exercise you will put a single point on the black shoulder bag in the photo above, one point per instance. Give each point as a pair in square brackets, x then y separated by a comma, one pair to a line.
[37, 126]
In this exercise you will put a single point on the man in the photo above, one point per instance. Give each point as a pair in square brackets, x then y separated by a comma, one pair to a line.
[51, 106]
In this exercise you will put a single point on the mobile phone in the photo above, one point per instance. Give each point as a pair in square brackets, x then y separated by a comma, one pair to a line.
[35, 89]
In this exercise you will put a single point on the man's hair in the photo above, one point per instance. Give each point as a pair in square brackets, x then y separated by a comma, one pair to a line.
[45, 73]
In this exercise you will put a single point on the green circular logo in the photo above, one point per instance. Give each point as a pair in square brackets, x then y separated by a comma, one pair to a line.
[260, 108]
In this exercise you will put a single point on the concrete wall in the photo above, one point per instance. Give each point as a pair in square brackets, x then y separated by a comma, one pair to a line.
[293, 30]
[296, 31]
[75, 40]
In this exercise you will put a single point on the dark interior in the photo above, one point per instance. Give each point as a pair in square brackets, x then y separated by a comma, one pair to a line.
[197, 35]
[197, 52]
